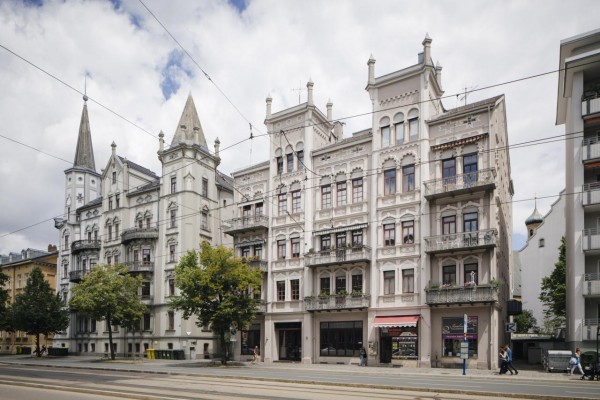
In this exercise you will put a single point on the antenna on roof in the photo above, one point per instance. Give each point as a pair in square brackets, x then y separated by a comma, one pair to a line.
[466, 94]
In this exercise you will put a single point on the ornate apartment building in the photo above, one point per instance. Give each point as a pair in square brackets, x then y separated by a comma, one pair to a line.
[127, 214]
[392, 239]
[578, 108]
[384, 239]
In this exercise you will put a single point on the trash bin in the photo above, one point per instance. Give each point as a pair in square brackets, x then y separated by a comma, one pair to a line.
[151, 354]
[169, 354]
[159, 354]
[557, 360]
[178, 354]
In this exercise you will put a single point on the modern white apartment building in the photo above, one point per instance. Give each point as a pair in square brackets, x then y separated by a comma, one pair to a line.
[578, 108]
[386, 238]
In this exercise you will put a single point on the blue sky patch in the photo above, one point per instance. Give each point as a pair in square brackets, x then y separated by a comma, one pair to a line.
[34, 3]
[239, 5]
[172, 73]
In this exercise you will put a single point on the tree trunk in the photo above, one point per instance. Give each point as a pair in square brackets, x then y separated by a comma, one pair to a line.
[223, 348]
[37, 345]
[110, 338]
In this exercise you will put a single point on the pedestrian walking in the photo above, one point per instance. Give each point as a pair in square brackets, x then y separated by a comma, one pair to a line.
[576, 362]
[256, 357]
[509, 363]
[363, 357]
[503, 361]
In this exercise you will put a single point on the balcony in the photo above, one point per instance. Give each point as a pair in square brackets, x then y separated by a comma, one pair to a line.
[590, 241]
[591, 285]
[82, 245]
[261, 265]
[477, 181]
[461, 295]
[463, 241]
[139, 266]
[246, 224]
[590, 196]
[262, 307]
[590, 105]
[349, 255]
[590, 328]
[77, 276]
[590, 149]
[147, 298]
[139, 234]
[337, 302]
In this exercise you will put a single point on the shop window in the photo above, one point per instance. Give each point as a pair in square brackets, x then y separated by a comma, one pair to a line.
[341, 338]
[453, 335]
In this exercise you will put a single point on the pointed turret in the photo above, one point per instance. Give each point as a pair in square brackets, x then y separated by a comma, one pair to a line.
[189, 130]
[534, 220]
[84, 155]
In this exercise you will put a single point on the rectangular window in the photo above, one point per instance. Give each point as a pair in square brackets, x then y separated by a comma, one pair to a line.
[279, 165]
[449, 225]
[449, 173]
[204, 220]
[290, 162]
[246, 212]
[173, 218]
[388, 282]
[171, 287]
[296, 202]
[172, 253]
[471, 274]
[340, 284]
[295, 288]
[357, 238]
[173, 184]
[117, 200]
[325, 242]
[341, 338]
[357, 283]
[389, 182]
[389, 234]
[258, 210]
[408, 178]
[282, 205]
[399, 128]
[145, 289]
[148, 223]
[470, 169]
[295, 242]
[114, 177]
[246, 251]
[140, 224]
[340, 240]
[93, 325]
[326, 196]
[280, 290]
[300, 155]
[171, 321]
[341, 194]
[110, 203]
[408, 232]
[116, 231]
[357, 190]
[89, 236]
[96, 235]
[385, 136]
[449, 275]
[66, 242]
[325, 285]
[413, 128]
[84, 265]
[204, 187]
[110, 232]
[408, 280]
[258, 251]
[19, 281]
[116, 259]
[281, 249]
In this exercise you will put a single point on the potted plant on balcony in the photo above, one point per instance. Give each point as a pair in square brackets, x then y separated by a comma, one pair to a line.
[496, 282]
[323, 294]
[356, 293]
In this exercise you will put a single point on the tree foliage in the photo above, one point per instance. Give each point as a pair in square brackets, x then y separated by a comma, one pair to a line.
[108, 293]
[5, 320]
[525, 322]
[217, 290]
[554, 288]
[38, 310]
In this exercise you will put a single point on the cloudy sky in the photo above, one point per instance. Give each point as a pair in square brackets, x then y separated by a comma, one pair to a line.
[250, 49]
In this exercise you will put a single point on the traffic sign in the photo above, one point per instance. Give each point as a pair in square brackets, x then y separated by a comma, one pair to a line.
[510, 327]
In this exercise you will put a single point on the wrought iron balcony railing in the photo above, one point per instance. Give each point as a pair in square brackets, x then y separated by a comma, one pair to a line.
[258, 264]
[81, 245]
[139, 233]
[485, 238]
[462, 295]
[139, 266]
[346, 255]
[77, 275]
[336, 302]
[483, 179]
[238, 225]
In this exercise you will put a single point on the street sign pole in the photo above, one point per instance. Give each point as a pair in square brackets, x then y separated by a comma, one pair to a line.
[465, 341]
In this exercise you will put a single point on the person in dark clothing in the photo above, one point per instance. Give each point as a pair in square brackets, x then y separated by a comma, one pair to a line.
[503, 361]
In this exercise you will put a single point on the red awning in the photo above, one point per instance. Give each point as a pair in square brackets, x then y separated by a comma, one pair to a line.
[396, 321]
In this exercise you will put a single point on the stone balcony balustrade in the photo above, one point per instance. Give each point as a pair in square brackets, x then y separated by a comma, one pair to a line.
[346, 255]
[336, 302]
[461, 295]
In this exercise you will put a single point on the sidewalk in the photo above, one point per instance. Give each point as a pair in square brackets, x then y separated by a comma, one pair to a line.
[197, 367]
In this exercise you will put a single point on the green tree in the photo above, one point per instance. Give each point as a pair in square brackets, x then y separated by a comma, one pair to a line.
[525, 322]
[216, 289]
[5, 320]
[38, 310]
[108, 293]
[554, 289]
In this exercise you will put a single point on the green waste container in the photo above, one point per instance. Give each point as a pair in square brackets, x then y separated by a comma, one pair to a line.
[159, 354]
[179, 355]
[169, 355]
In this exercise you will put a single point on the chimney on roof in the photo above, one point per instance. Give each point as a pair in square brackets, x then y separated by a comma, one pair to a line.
[427, 49]
[309, 88]
[51, 248]
[269, 101]
[329, 110]
[371, 64]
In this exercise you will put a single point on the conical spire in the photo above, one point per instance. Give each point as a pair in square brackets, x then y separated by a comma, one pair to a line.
[84, 155]
[189, 129]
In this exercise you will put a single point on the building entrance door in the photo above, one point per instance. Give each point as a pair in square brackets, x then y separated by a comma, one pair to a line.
[385, 352]
[289, 336]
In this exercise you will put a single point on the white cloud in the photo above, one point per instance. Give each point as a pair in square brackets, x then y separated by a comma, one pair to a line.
[270, 47]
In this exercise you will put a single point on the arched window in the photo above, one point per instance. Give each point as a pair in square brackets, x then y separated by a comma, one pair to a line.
[542, 242]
